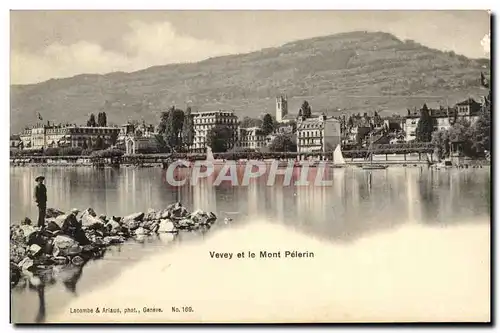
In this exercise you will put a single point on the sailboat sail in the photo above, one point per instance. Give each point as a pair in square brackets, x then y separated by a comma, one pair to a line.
[338, 158]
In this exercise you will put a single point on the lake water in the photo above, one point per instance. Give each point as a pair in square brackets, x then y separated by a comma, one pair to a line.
[359, 203]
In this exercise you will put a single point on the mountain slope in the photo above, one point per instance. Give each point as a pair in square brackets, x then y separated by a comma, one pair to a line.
[358, 71]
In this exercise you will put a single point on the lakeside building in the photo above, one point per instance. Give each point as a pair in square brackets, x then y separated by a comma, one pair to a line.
[444, 117]
[204, 121]
[137, 138]
[318, 134]
[51, 136]
[251, 138]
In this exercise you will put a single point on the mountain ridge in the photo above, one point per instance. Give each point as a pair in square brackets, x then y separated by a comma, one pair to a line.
[357, 71]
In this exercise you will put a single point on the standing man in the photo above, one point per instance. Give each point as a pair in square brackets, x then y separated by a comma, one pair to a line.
[41, 200]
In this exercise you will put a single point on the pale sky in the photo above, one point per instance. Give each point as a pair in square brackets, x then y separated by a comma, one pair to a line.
[55, 44]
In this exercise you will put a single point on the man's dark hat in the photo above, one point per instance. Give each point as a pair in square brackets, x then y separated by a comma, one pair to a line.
[39, 178]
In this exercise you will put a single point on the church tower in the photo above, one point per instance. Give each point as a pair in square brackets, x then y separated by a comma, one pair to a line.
[281, 107]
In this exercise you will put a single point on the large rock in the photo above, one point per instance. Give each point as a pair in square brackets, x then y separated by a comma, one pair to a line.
[17, 252]
[131, 224]
[64, 242]
[140, 231]
[113, 227]
[26, 264]
[150, 215]
[177, 210]
[27, 231]
[53, 226]
[165, 214]
[90, 220]
[185, 224]
[34, 249]
[166, 226]
[89, 211]
[134, 217]
[52, 212]
[66, 222]
[202, 218]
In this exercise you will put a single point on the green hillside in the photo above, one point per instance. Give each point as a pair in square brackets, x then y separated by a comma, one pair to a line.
[356, 71]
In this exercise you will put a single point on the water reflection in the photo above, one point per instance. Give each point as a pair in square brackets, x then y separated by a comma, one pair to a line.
[357, 203]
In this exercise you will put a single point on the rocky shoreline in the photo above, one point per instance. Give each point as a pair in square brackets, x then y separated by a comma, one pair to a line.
[74, 238]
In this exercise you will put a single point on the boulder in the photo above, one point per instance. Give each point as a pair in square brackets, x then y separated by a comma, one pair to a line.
[34, 249]
[17, 252]
[60, 260]
[90, 222]
[212, 217]
[52, 212]
[154, 227]
[150, 215]
[180, 212]
[131, 224]
[27, 231]
[26, 264]
[165, 214]
[158, 215]
[64, 242]
[38, 238]
[176, 210]
[67, 222]
[140, 231]
[89, 211]
[113, 227]
[185, 224]
[17, 234]
[134, 217]
[166, 226]
[77, 260]
[52, 226]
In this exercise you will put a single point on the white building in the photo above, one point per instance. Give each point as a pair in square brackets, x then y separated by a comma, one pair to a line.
[319, 134]
[52, 136]
[251, 138]
[204, 121]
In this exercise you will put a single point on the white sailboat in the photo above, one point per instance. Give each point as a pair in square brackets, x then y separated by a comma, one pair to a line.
[338, 158]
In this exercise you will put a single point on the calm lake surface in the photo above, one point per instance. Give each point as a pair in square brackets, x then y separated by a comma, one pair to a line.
[357, 204]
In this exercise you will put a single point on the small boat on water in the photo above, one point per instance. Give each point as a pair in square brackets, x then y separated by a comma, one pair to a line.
[443, 165]
[338, 159]
[372, 166]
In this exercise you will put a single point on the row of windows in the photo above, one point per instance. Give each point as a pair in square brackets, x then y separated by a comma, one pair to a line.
[310, 141]
[252, 137]
[215, 120]
[92, 131]
[310, 134]
[252, 144]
